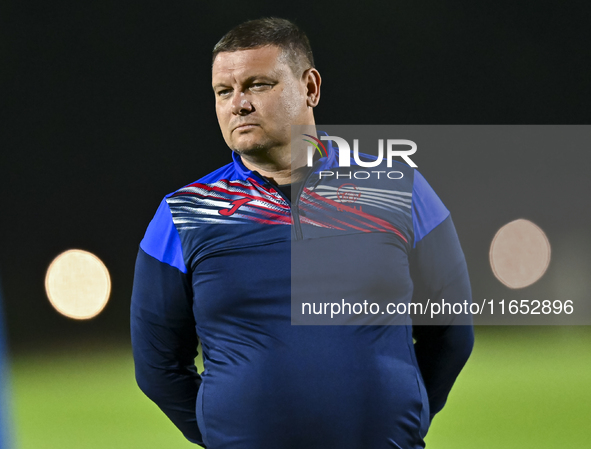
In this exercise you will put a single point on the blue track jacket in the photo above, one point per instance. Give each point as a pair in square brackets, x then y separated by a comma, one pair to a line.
[216, 265]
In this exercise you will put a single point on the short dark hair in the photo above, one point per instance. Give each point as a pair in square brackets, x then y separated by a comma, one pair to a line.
[270, 31]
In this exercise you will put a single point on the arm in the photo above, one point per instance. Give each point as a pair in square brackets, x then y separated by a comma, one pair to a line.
[439, 271]
[163, 333]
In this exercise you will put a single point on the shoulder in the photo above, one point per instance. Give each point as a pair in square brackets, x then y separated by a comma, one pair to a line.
[162, 240]
[428, 211]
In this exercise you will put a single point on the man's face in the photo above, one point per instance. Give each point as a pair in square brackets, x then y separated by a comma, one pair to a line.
[258, 98]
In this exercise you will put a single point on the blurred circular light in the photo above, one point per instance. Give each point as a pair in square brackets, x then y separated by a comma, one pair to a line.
[519, 254]
[78, 284]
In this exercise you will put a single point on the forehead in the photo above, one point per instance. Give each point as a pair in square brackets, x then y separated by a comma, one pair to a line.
[268, 60]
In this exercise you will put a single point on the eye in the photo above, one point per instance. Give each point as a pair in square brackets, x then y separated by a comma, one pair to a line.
[223, 92]
[260, 86]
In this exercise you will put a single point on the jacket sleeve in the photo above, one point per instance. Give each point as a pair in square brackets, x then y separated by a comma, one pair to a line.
[439, 272]
[163, 333]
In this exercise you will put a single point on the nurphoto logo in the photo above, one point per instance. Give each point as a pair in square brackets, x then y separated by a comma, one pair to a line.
[392, 150]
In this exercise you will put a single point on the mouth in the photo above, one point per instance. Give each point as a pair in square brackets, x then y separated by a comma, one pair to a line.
[245, 126]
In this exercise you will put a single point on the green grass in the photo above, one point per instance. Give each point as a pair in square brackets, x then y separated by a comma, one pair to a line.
[86, 401]
[522, 388]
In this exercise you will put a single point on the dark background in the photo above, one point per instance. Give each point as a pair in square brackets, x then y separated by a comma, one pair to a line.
[107, 106]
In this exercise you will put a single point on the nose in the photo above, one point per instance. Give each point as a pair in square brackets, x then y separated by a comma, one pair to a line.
[241, 105]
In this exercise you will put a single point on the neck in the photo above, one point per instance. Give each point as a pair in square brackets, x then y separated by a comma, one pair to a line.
[275, 165]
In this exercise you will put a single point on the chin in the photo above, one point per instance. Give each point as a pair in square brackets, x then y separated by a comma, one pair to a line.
[250, 150]
[250, 146]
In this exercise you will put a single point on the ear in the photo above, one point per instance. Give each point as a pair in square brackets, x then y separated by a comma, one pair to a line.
[312, 80]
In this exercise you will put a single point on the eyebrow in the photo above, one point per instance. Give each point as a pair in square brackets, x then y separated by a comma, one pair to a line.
[248, 80]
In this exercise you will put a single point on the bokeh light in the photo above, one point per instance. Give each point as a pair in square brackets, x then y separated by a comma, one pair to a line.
[519, 254]
[78, 284]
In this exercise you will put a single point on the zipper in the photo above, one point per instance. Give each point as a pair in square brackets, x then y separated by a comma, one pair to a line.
[295, 217]
[295, 214]
[311, 170]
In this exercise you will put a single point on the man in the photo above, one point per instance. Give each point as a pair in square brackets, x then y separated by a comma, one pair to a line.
[5, 433]
[215, 264]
